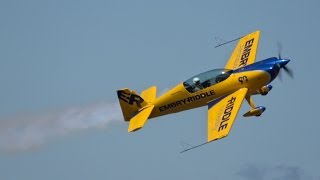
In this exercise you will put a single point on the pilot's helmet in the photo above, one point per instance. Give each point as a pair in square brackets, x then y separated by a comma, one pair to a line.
[196, 80]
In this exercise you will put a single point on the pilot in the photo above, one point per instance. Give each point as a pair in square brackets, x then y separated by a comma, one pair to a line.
[197, 85]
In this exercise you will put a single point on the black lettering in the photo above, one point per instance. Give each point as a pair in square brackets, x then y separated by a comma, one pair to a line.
[123, 96]
[167, 106]
[249, 43]
[189, 99]
[210, 93]
[162, 108]
[227, 113]
[179, 102]
[242, 79]
[137, 99]
[243, 62]
[222, 126]
[246, 53]
[232, 100]
[172, 105]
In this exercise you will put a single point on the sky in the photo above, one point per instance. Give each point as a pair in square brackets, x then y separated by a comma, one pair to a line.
[61, 63]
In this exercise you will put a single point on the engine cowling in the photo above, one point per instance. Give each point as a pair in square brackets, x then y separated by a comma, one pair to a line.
[264, 90]
[255, 112]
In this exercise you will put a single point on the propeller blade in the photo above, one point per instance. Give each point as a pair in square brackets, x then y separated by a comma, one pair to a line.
[288, 71]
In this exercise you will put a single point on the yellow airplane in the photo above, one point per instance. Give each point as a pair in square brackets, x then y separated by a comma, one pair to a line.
[222, 90]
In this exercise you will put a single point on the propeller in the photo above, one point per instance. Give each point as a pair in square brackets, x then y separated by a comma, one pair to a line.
[288, 71]
[282, 65]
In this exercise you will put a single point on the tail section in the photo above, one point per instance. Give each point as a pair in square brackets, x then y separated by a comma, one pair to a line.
[138, 121]
[149, 94]
[130, 103]
[135, 108]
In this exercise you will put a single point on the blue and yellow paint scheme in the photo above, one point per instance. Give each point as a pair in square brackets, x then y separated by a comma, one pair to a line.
[221, 90]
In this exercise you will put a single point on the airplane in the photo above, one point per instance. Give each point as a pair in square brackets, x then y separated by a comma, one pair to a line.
[221, 90]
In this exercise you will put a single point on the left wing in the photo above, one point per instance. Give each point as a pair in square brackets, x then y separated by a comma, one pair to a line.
[245, 51]
[222, 113]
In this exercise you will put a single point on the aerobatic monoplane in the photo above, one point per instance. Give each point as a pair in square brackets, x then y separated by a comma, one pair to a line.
[221, 90]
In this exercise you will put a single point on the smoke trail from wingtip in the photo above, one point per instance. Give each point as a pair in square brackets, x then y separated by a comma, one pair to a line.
[23, 133]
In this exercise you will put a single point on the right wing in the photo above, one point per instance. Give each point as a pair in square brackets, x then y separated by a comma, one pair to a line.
[222, 113]
[245, 51]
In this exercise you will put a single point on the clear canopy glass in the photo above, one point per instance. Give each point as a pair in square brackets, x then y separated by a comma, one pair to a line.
[206, 79]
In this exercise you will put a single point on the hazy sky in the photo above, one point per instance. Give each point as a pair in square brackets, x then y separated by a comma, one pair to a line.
[61, 63]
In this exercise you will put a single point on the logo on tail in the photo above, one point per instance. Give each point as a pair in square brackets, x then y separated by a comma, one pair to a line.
[131, 103]
[130, 98]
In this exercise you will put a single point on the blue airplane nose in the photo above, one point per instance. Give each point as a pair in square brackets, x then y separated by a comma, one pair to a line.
[283, 62]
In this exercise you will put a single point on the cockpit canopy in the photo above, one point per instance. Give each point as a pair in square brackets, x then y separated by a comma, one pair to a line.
[207, 79]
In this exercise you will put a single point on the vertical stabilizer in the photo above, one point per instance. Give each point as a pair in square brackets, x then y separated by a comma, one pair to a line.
[130, 103]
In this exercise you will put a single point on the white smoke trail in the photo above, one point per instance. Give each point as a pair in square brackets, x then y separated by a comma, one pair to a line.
[23, 133]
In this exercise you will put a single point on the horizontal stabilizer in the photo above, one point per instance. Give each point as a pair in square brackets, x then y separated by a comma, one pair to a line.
[138, 121]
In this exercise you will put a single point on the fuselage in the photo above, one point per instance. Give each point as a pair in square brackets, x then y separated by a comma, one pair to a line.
[253, 77]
